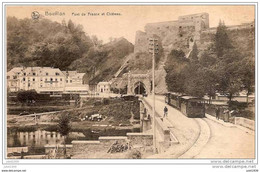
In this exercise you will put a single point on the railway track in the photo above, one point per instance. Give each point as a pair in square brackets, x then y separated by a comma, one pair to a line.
[201, 141]
[194, 149]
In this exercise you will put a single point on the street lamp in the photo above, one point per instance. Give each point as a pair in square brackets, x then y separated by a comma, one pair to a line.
[153, 49]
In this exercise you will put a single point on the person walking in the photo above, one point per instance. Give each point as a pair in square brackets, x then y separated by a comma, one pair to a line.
[217, 113]
[165, 111]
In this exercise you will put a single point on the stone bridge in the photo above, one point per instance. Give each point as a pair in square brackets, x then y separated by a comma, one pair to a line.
[164, 135]
[139, 84]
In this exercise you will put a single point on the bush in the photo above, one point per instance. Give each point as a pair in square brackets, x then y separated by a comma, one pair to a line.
[235, 105]
[97, 103]
[245, 114]
[105, 101]
[51, 128]
[27, 96]
[134, 154]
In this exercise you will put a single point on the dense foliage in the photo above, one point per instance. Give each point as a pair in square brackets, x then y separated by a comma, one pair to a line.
[222, 68]
[45, 43]
[28, 96]
[65, 46]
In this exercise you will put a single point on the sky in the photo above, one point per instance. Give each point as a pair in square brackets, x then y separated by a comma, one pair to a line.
[131, 18]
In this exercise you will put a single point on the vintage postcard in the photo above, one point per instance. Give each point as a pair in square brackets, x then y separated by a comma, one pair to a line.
[129, 81]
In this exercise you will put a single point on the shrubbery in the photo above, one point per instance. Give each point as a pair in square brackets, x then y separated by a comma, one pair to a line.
[28, 97]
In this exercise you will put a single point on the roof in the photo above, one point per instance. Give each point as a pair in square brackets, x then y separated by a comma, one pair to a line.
[15, 70]
[104, 83]
[40, 71]
[73, 74]
[189, 97]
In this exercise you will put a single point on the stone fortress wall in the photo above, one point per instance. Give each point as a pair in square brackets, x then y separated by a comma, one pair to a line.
[180, 34]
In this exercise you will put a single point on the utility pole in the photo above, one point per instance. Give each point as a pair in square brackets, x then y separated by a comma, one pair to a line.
[153, 49]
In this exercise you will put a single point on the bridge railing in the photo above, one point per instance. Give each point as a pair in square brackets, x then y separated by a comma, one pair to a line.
[164, 134]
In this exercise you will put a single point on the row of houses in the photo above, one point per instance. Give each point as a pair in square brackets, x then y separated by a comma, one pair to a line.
[50, 80]
[45, 80]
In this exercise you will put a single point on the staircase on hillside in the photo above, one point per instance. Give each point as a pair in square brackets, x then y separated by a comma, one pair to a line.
[124, 65]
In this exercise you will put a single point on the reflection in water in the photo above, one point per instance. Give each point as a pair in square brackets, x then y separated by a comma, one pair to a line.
[37, 138]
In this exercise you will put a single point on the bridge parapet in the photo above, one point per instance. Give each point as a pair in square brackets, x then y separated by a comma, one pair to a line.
[164, 130]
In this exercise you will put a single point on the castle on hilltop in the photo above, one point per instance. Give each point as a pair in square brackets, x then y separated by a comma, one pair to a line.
[179, 34]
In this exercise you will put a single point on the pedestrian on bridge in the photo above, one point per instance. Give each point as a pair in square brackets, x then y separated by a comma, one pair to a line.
[165, 111]
[217, 113]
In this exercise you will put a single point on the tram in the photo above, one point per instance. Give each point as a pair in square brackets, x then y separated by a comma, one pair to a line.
[192, 107]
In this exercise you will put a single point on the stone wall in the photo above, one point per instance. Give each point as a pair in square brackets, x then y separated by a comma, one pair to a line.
[182, 33]
[141, 141]
[245, 122]
[173, 34]
[85, 148]
[57, 151]
[94, 149]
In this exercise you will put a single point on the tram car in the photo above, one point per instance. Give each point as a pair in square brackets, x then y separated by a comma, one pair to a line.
[192, 107]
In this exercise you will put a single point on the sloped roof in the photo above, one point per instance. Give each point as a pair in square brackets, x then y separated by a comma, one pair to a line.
[73, 74]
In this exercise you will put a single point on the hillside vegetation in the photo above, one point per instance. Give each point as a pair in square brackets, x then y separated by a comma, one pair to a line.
[65, 46]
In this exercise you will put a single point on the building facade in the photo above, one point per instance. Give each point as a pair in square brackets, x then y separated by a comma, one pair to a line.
[75, 82]
[43, 80]
[103, 87]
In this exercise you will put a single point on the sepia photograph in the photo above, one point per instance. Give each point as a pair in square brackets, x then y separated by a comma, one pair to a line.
[130, 82]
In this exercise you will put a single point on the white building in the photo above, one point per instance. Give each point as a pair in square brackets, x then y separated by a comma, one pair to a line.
[75, 82]
[13, 83]
[103, 87]
[43, 80]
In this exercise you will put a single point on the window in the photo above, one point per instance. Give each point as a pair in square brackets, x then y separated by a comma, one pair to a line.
[61, 79]
[47, 74]
[51, 79]
[24, 74]
[70, 81]
[8, 77]
[57, 73]
[56, 79]
[67, 81]
[33, 79]
[34, 74]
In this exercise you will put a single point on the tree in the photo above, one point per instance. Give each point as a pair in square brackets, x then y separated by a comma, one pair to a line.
[222, 41]
[207, 59]
[96, 41]
[227, 69]
[45, 43]
[64, 128]
[193, 80]
[210, 82]
[247, 73]
[175, 75]
[194, 53]
[27, 96]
